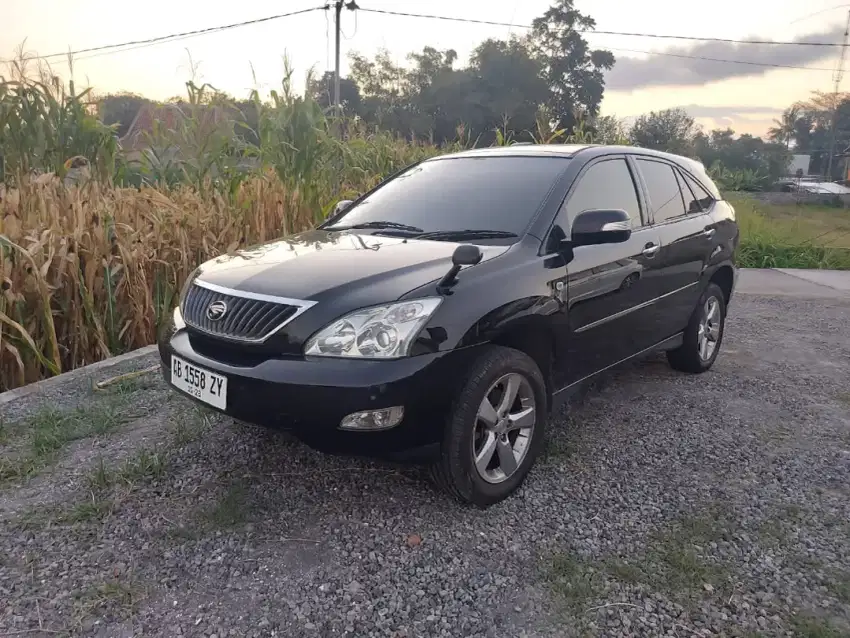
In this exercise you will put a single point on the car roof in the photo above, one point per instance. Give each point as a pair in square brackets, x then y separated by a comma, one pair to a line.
[519, 150]
[588, 151]
[569, 151]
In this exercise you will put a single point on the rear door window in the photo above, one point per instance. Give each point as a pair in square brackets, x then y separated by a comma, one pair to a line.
[665, 195]
[692, 204]
[700, 194]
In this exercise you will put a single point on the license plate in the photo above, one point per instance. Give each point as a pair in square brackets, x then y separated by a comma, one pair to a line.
[202, 384]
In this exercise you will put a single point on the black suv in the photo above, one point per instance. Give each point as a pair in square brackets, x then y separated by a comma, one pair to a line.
[443, 315]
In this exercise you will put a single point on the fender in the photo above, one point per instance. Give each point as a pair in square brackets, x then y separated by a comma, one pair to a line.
[517, 297]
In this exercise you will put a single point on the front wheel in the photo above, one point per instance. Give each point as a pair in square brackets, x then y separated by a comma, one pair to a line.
[703, 335]
[495, 430]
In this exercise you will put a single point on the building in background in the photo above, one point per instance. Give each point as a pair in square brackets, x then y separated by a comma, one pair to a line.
[800, 162]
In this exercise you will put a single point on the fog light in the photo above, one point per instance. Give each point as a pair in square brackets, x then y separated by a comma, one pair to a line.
[373, 419]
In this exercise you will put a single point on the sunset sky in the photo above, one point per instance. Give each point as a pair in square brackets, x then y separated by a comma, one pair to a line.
[744, 97]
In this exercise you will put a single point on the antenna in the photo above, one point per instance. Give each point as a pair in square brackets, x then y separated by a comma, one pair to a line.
[836, 77]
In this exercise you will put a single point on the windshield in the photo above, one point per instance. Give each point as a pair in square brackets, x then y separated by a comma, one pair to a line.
[498, 194]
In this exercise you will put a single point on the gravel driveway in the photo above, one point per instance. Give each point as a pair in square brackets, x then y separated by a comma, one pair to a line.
[665, 505]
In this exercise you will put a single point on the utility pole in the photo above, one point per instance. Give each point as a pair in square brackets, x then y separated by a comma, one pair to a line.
[338, 9]
[351, 5]
[837, 76]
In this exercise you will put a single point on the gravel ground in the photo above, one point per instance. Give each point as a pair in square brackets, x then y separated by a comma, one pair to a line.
[665, 505]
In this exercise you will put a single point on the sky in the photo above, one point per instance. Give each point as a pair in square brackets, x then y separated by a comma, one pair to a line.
[744, 97]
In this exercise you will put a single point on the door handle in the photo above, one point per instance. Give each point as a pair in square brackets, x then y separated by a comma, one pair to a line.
[708, 233]
[651, 250]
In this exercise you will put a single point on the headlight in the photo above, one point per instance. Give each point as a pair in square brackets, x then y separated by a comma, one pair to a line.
[186, 286]
[380, 332]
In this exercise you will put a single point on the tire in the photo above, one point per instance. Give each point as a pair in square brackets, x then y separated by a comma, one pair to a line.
[467, 432]
[689, 357]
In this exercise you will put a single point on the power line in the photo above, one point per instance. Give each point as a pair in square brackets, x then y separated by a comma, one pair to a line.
[812, 15]
[175, 36]
[136, 44]
[597, 32]
[133, 48]
[701, 57]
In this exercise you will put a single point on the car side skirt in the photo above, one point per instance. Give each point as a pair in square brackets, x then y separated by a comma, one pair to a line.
[559, 397]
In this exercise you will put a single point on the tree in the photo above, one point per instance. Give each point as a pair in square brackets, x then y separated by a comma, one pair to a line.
[431, 98]
[785, 129]
[509, 79]
[768, 161]
[671, 130]
[607, 129]
[383, 90]
[815, 129]
[321, 90]
[573, 72]
[121, 109]
[507, 85]
[803, 133]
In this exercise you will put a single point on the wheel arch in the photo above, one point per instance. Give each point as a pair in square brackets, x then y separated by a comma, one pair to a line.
[724, 277]
[536, 339]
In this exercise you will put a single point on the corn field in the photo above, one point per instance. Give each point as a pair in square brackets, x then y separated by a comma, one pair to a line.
[96, 242]
[94, 247]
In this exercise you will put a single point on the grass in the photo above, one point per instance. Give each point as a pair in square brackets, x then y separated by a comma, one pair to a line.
[625, 572]
[684, 569]
[839, 586]
[680, 551]
[804, 236]
[96, 508]
[99, 478]
[106, 488]
[189, 427]
[810, 627]
[675, 560]
[50, 430]
[145, 466]
[118, 596]
[231, 509]
[573, 580]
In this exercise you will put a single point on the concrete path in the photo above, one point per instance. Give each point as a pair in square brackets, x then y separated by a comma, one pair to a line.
[787, 282]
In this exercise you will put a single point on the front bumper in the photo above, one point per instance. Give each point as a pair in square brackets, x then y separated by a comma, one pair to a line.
[309, 397]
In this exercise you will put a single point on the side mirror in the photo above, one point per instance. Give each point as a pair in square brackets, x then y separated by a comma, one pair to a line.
[601, 227]
[341, 205]
[464, 255]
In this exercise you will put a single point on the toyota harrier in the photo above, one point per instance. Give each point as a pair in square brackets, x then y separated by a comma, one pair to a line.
[442, 316]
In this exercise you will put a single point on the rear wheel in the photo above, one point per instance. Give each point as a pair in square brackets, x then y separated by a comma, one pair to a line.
[703, 335]
[495, 430]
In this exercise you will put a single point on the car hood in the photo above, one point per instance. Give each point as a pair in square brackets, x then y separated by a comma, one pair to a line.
[318, 264]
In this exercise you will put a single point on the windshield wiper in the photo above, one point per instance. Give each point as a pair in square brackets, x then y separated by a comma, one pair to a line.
[468, 233]
[379, 225]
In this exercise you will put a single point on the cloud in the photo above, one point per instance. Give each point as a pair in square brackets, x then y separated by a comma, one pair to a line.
[755, 120]
[697, 110]
[631, 73]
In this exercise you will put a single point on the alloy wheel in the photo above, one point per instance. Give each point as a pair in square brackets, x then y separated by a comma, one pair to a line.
[708, 333]
[504, 426]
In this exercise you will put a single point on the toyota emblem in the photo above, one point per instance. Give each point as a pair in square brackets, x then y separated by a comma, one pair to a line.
[216, 310]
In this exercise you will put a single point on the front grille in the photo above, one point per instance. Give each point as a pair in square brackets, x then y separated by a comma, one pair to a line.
[244, 319]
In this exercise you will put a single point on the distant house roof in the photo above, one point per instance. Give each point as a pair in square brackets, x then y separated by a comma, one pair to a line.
[824, 188]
